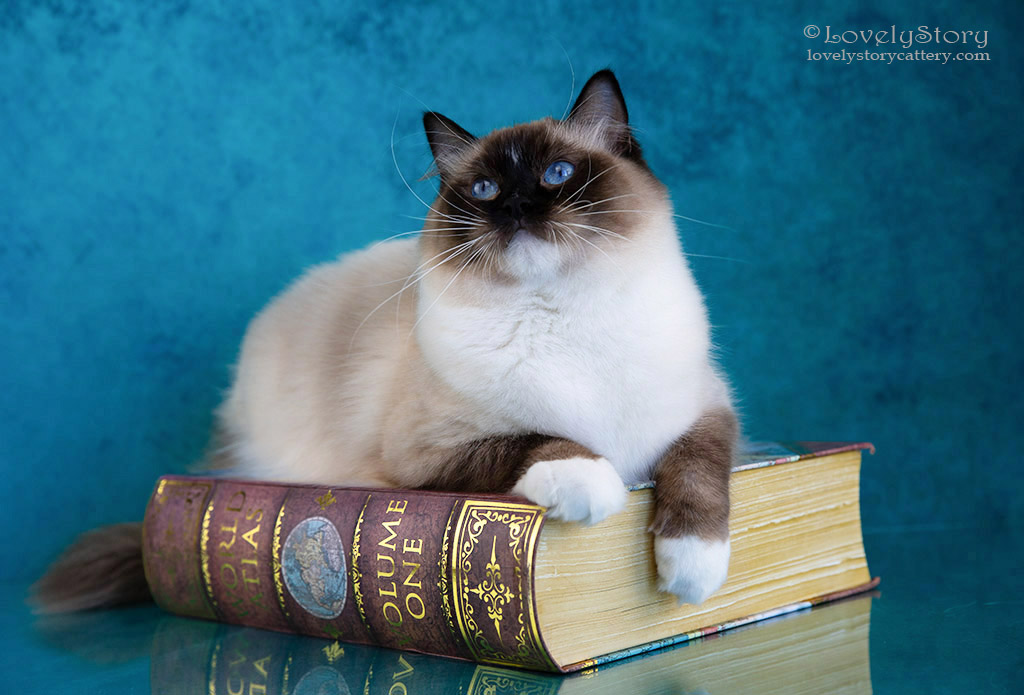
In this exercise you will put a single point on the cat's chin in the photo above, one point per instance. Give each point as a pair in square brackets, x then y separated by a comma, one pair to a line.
[528, 257]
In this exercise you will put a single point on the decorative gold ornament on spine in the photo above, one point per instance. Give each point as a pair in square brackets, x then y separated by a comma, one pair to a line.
[443, 567]
[276, 558]
[497, 594]
[204, 555]
[354, 572]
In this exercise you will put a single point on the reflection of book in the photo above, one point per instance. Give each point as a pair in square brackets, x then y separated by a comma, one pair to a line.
[822, 650]
[485, 577]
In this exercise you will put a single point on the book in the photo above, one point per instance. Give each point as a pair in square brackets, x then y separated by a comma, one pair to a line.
[487, 578]
[821, 650]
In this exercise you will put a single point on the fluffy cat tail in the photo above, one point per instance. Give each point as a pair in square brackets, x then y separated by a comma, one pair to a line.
[101, 569]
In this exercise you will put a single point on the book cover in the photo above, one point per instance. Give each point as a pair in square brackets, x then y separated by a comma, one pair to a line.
[439, 573]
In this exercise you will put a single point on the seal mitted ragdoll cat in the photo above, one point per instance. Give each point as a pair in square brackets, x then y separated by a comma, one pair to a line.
[542, 336]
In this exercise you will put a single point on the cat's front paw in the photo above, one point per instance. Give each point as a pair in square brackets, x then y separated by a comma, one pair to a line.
[577, 489]
[691, 567]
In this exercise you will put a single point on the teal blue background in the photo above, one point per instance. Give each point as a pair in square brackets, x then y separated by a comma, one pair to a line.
[166, 167]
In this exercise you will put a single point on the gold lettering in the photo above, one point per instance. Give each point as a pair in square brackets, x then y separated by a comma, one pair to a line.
[396, 622]
[246, 579]
[250, 536]
[389, 573]
[257, 689]
[408, 579]
[234, 576]
[261, 665]
[254, 515]
[240, 496]
[241, 686]
[414, 605]
[405, 672]
[225, 546]
[391, 526]
[237, 605]
[398, 689]
[416, 614]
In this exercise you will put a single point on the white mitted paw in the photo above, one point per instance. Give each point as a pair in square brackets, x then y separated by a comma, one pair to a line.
[576, 489]
[691, 567]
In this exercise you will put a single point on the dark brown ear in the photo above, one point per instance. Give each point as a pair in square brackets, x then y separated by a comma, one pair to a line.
[448, 140]
[601, 107]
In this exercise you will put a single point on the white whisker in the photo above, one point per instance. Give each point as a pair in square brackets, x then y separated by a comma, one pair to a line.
[460, 250]
[709, 224]
[455, 277]
[581, 205]
[583, 239]
[598, 230]
[394, 158]
[608, 212]
[719, 258]
[572, 87]
[431, 232]
[591, 180]
[411, 280]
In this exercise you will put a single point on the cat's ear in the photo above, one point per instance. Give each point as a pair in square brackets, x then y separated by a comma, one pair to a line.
[601, 110]
[448, 141]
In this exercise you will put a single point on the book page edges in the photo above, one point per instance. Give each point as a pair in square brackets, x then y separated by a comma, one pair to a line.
[764, 454]
[720, 627]
[796, 535]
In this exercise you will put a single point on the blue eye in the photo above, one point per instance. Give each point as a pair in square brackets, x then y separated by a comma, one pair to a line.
[558, 173]
[484, 189]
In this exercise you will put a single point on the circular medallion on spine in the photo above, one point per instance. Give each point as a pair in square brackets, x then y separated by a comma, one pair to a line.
[313, 564]
[322, 680]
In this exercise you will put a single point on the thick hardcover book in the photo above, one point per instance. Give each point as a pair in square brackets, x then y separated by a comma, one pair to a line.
[486, 577]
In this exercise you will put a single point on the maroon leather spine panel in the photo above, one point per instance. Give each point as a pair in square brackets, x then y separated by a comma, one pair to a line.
[430, 572]
[236, 556]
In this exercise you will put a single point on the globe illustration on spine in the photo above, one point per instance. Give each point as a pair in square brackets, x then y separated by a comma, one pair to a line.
[323, 680]
[313, 564]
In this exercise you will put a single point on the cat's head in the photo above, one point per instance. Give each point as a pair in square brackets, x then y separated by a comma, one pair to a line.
[540, 198]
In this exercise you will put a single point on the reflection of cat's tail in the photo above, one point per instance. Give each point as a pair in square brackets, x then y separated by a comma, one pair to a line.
[102, 568]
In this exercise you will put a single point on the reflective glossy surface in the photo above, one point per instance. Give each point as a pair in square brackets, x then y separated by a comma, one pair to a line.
[949, 617]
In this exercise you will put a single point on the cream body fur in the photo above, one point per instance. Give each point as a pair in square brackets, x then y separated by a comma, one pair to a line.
[542, 336]
[614, 356]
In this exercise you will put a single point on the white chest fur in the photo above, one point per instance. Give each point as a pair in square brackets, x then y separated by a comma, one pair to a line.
[616, 360]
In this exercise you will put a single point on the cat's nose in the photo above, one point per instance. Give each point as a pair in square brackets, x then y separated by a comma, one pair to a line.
[515, 206]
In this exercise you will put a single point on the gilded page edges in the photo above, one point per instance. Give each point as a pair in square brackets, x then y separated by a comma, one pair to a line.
[492, 547]
[592, 664]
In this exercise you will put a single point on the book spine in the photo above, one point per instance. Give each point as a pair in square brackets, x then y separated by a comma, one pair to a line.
[429, 572]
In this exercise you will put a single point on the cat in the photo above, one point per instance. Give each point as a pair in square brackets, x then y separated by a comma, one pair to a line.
[543, 336]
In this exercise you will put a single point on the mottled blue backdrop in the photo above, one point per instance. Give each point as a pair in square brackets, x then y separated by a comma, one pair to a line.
[166, 167]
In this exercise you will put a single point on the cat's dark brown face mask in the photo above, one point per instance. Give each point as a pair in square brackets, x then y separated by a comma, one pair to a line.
[523, 195]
